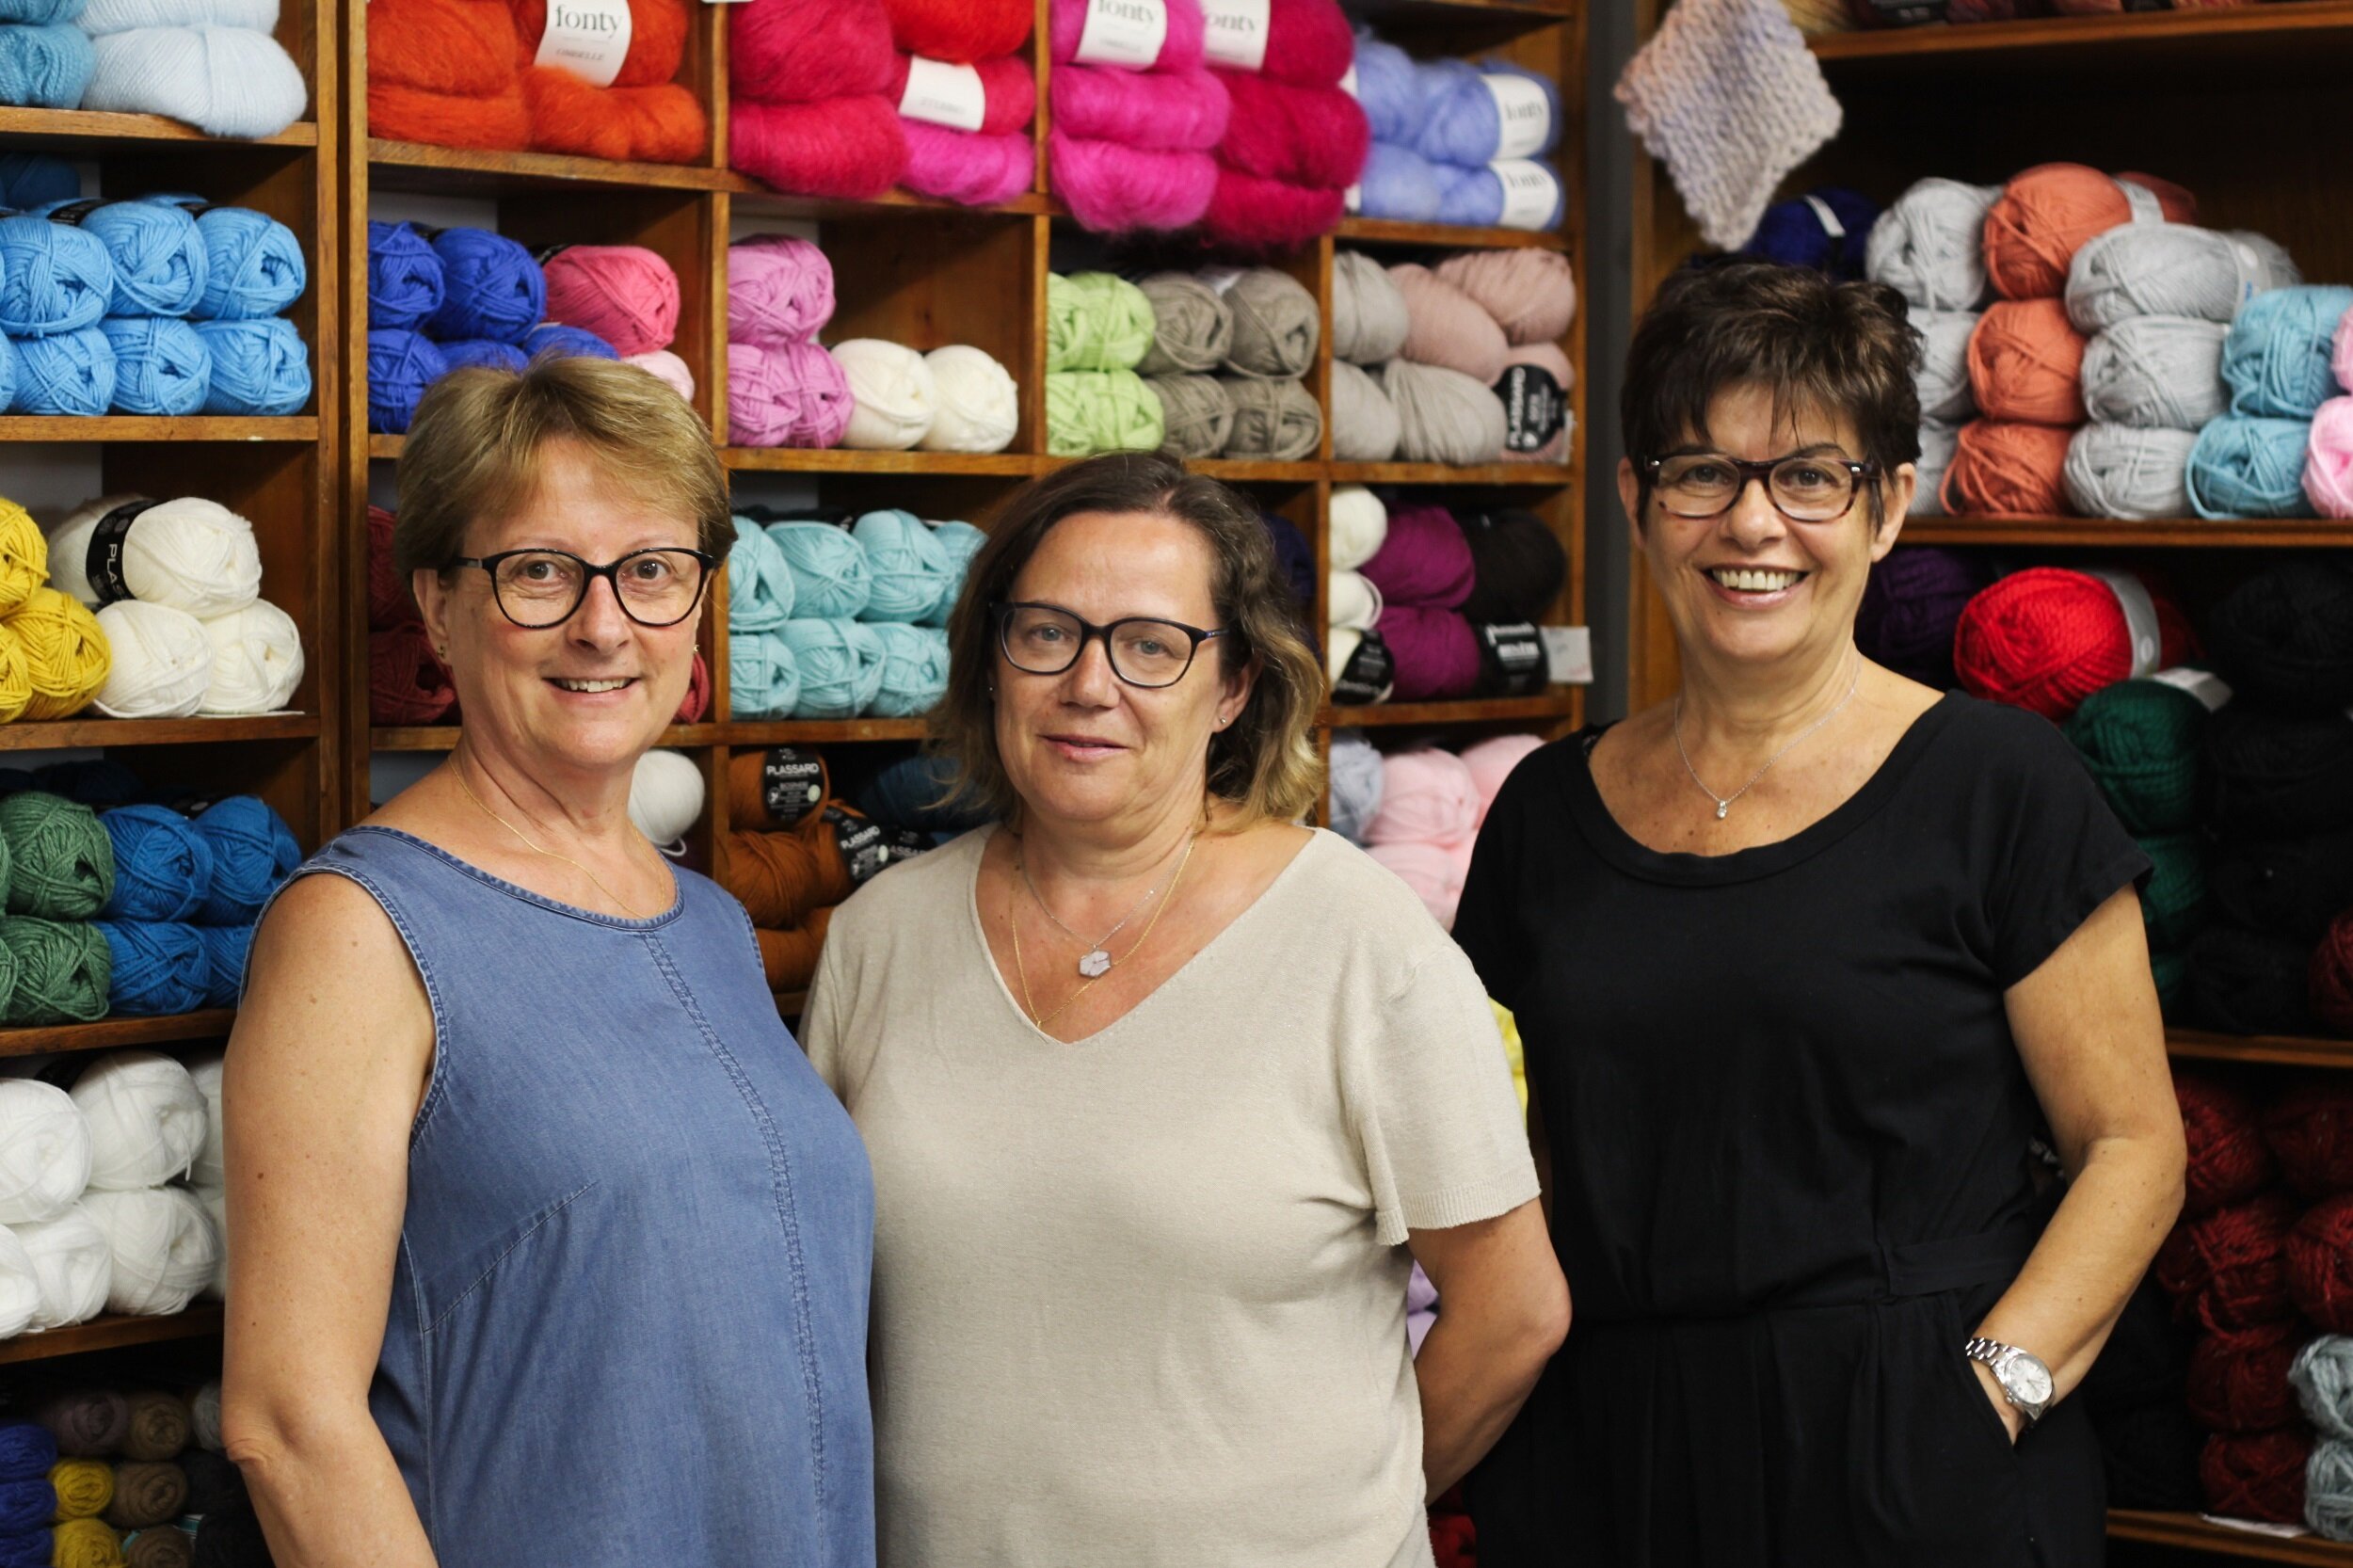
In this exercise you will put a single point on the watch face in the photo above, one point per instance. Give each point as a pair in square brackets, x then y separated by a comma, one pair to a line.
[2028, 1379]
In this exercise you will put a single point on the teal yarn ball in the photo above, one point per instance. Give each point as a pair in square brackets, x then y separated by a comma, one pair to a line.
[759, 584]
[159, 259]
[45, 67]
[2275, 357]
[63, 970]
[764, 676]
[53, 278]
[253, 851]
[908, 568]
[830, 577]
[161, 364]
[61, 864]
[2250, 468]
[259, 367]
[959, 542]
[914, 669]
[163, 865]
[225, 951]
[840, 664]
[2174, 904]
[2143, 741]
[154, 967]
[72, 372]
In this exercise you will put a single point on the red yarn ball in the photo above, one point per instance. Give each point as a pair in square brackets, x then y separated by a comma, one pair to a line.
[1162, 111]
[2320, 1264]
[1249, 214]
[1008, 91]
[696, 702]
[1306, 136]
[2311, 1129]
[850, 147]
[2256, 1475]
[2229, 1270]
[969, 166]
[960, 31]
[407, 685]
[2239, 1382]
[2046, 638]
[390, 603]
[2330, 978]
[657, 39]
[1113, 189]
[2228, 1161]
[1180, 50]
[802, 50]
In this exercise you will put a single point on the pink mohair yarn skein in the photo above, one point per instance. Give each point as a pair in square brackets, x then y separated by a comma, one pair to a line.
[1259, 215]
[1113, 189]
[1306, 136]
[1180, 49]
[1491, 762]
[1427, 796]
[1446, 327]
[2329, 459]
[1308, 44]
[1161, 111]
[624, 294]
[969, 166]
[1435, 872]
[805, 51]
[852, 148]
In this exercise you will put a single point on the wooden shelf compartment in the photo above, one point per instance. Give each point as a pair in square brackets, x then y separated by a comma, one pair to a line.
[303, 429]
[1508, 475]
[756, 199]
[113, 1332]
[50, 735]
[782, 732]
[2116, 532]
[443, 737]
[1556, 703]
[420, 166]
[1396, 232]
[2189, 1532]
[2301, 36]
[2288, 1051]
[89, 132]
[115, 1034]
[837, 460]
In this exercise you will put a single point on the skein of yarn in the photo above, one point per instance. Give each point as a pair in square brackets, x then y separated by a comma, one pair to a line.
[978, 405]
[1531, 294]
[625, 293]
[188, 554]
[53, 278]
[894, 397]
[1096, 321]
[1910, 604]
[2007, 469]
[2329, 459]
[1358, 525]
[1365, 427]
[2229, 1270]
[1276, 421]
[2046, 638]
[1929, 246]
[146, 1117]
[2249, 468]
[1276, 325]
[2046, 214]
[401, 364]
[2114, 470]
[259, 367]
[162, 662]
[2157, 372]
[45, 1151]
[161, 365]
[1113, 189]
[1446, 327]
[1100, 411]
[163, 866]
[832, 579]
[160, 260]
[2140, 269]
[1302, 136]
[1401, 183]
[2277, 775]
[1197, 412]
[779, 291]
[2141, 740]
[163, 1244]
[1152, 111]
[1169, 39]
[1191, 330]
[1474, 115]
[1370, 317]
[2275, 357]
[793, 395]
[1443, 416]
[74, 1264]
[1942, 383]
[405, 281]
[65, 652]
[253, 851]
[257, 661]
[2026, 363]
[232, 82]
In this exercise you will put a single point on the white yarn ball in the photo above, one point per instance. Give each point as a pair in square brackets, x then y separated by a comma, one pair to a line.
[101, 17]
[1339, 647]
[1359, 524]
[147, 1119]
[665, 795]
[204, 1417]
[257, 661]
[20, 1286]
[191, 554]
[215, 1202]
[1929, 246]
[892, 387]
[1946, 396]
[205, 1072]
[666, 367]
[979, 404]
[1356, 601]
[76, 1267]
[225, 81]
[162, 662]
[163, 1244]
[1937, 444]
[45, 1151]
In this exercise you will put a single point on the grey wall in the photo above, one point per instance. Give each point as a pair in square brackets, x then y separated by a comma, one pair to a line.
[1609, 319]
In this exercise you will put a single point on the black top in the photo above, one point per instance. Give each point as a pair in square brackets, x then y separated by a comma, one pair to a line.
[1780, 1080]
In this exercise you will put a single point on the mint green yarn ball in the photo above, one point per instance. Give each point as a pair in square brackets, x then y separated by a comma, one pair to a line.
[1095, 321]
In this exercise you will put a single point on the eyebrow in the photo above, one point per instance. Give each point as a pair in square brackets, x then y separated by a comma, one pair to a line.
[1693, 449]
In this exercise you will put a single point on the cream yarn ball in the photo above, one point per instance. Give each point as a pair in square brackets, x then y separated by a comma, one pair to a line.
[892, 385]
[979, 404]
[191, 554]
[75, 1265]
[665, 797]
[20, 1286]
[1356, 601]
[45, 1151]
[162, 662]
[163, 1244]
[1359, 524]
[205, 1072]
[215, 1202]
[257, 661]
[147, 1119]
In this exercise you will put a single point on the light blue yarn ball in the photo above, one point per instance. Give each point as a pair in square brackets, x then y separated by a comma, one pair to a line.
[159, 259]
[2250, 468]
[162, 365]
[2329, 1489]
[830, 577]
[11, 372]
[401, 364]
[45, 68]
[259, 367]
[2276, 358]
[253, 263]
[842, 668]
[1389, 89]
[41, 13]
[484, 351]
[1475, 195]
[29, 180]
[1400, 182]
[2322, 1376]
[904, 562]
[1460, 120]
[763, 676]
[53, 278]
[72, 372]
[914, 669]
[759, 584]
[959, 542]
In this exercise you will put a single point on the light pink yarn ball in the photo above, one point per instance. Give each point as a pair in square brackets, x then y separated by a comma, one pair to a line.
[1427, 796]
[2329, 458]
[1491, 762]
[668, 368]
[1433, 871]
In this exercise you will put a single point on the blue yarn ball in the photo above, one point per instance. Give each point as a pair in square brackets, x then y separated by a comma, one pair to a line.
[71, 374]
[159, 967]
[909, 571]
[225, 951]
[759, 584]
[910, 792]
[41, 14]
[1389, 87]
[163, 865]
[96, 782]
[831, 579]
[840, 665]
[914, 669]
[959, 542]
[1475, 195]
[45, 68]
[161, 364]
[2250, 468]
[492, 287]
[32, 1549]
[2276, 355]
[259, 366]
[1792, 233]
[11, 372]
[483, 351]
[405, 281]
[253, 851]
[401, 364]
[53, 278]
[29, 180]
[1462, 120]
[27, 1505]
[253, 263]
[763, 676]
[27, 1450]
[573, 342]
[1400, 182]
[159, 259]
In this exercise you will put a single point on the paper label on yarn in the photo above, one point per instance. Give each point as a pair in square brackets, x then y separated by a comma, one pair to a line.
[1534, 407]
[1523, 113]
[906, 843]
[1352, 198]
[102, 560]
[1123, 32]
[1219, 278]
[589, 39]
[73, 213]
[2140, 618]
[194, 206]
[944, 94]
[1532, 193]
[864, 848]
[2253, 276]
[1369, 675]
[2206, 686]
[1827, 217]
[1512, 657]
[2143, 202]
[1568, 654]
[1235, 33]
[792, 782]
[1348, 82]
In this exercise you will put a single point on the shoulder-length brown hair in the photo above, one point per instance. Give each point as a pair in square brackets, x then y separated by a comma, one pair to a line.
[1265, 762]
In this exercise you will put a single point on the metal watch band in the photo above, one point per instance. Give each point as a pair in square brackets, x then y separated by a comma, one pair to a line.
[1993, 1352]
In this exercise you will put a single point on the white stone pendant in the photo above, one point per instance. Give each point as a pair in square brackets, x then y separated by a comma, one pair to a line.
[1095, 964]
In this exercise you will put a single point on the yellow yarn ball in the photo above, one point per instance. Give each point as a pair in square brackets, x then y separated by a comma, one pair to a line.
[86, 1544]
[66, 657]
[24, 556]
[16, 676]
[85, 1487]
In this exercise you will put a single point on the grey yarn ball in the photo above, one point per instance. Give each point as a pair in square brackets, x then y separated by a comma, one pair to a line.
[1196, 413]
[2322, 1376]
[2174, 270]
[1364, 424]
[1191, 328]
[1929, 246]
[1944, 379]
[1276, 421]
[1276, 325]
[1369, 316]
[2116, 471]
[1443, 416]
[1936, 456]
[2158, 372]
[2329, 1489]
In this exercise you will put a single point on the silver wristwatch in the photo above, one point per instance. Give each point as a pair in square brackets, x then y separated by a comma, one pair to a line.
[2025, 1382]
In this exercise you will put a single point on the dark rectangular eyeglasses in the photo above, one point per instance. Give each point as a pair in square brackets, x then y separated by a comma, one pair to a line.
[1046, 639]
[1805, 488]
[540, 588]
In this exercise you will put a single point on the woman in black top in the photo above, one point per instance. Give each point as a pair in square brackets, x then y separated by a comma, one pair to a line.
[1800, 1050]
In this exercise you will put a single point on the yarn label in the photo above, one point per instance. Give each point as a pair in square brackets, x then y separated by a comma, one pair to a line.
[1514, 657]
[1523, 113]
[1532, 193]
[549, 252]
[588, 38]
[2206, 686]
[1352, 198]
[1370, 675]
[1236, 33]
[1568, 654]
[1122, 32]
[943, 94]
[73, 213]
[1534, 407]
[1219, 278]
[792, 782]
[864, 848]
[1828, 217]
[102, 560]
[2140, 618]
[2142, 200]
[1348, 82]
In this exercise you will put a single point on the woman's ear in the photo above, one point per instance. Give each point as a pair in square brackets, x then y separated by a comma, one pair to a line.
[433, 604]
[1237, 685]
[1897, 495]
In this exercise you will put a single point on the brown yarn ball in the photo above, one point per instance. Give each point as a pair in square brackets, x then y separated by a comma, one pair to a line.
[775, 788]
[2229, 1270]
[2228, 1161]
[789, 958]
[2239, 1382]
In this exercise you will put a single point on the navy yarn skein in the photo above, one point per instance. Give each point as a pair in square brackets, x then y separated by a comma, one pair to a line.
[29, 180]
[163, 865]
[483, 351]
[401, 364]
[551, 337]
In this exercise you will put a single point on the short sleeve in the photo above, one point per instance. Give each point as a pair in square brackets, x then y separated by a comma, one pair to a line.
[822, 1020]
[1430, 1093]
[2060, 854]
[1487, 921]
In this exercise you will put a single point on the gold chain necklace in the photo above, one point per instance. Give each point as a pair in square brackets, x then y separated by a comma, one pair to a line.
[1013, 921]
[628, 908]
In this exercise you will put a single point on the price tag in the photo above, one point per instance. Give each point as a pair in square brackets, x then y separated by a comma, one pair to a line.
[1568, 654]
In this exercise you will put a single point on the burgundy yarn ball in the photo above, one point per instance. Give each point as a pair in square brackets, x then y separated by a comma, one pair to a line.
[1306, 136]
[1180, 50]
[1435, 652]
[971, 167]
[2230, 1268]
[2239, 1382]
[803, 50]
[960, 31]
[1263, 216]
[1160, 111]
[2311, 1129]
[2330, 978]
[696, 702]
[2228, 1161]
[1008, 91]
[1424, 560]
[853, 148]
[407, 685]
[390, 602]
[2256, 1475]
[2320, 1264]
[1113, 189]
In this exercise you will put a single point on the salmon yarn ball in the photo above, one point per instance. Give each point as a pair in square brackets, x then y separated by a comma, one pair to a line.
[2026, 363]
[2046, 214]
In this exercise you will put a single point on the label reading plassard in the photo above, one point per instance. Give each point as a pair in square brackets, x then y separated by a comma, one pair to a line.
[102, 560]
[1122, 32]
[73, 213]
[944, 94]
[863, 849]
[588, 38]
[1523, 113]
[1534, 407]
[1236, 33]
[1532, 193]
[792, 782]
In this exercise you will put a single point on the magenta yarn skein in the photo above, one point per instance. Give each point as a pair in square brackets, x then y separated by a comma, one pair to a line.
[625, 293]
[2329, 459]
[1180, 47]
[1436, 652]
[1424, 560]
[1160, 111]
[970, 168]
[1113, 189]
[852, 148]
[802, 50]
[779, 290]
[1308, 136]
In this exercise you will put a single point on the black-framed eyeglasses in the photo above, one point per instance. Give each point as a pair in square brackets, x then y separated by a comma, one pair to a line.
[1805, 488]
[540, 588]
[1046, 639]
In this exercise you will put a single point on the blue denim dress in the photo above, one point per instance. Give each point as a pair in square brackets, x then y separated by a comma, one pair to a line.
[627, 1319]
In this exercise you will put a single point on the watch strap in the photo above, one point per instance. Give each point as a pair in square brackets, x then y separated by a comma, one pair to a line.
[1993, 1352]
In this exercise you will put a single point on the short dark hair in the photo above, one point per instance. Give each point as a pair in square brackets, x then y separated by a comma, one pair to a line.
[1847, 349]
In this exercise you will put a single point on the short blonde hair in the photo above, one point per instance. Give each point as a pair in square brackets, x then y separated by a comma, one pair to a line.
[475, 444]
[1265, 762]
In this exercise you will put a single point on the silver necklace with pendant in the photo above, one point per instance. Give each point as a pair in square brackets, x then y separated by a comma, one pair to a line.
[1097, 961]
[1723, 803]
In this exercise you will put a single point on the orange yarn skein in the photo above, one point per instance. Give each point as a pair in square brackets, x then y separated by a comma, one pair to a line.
[442, 71]
[2046, 214]
[789, 957]
[2008, 471]
[2026, 363]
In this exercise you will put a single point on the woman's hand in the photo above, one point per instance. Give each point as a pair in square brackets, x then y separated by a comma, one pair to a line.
[2012, 1417]
[1502, 1310]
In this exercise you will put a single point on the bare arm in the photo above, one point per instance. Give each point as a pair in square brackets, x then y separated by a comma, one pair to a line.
[1502, 1311]
[324, 1076]
[2088, 1031]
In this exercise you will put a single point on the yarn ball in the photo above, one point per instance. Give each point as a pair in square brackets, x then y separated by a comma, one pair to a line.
[407, 683]
[405, 282]
[1095, 321]
[2007, 469]
[1358, 777]
[1435, 652]
[1475, 195]
[158, 967]
[779, 290]
[2244, 467]
[2229, 1159]
[2285, 886]
[253, 265]
[259, 367]
[2143, 741]
[554, 339]
[72, 372]
[147, 1118]
[2321, 1376]
[666, 368]
[1424, 559]
[2329, 459]
[1937, 443]
[974, 169]
[840, 664]
[73, 1265]
[1274, 421]
[1446, 327]
[225, 951]
[907, 568]
[253, 851]
[831, 573]
[1153, 111]
[1942, 382]
[231, 82]
[1463, 113]
[1365, 427]
[2230, 1268]
[2026, 363]
[53, 278]
[64, 654]
[665, 795]
[1276, 325]
[1370, 319]
[492, 287]
[2046, 214]
[2046, 638]
[1306, 136]
[2173, 901]
[1433, 871]
[789, 396]
[1531, 294]
[46, 66]
[1427, 796]
[775, 788]
[87, 1422]
[1356, 524]
[2114, 471]
[2285, 636]
[2278, 774]
[1825, 230]
[24, 556]
[161, 365]
[163, 866]
[2257, 1475]
[914, 669]
[1518, 566]
[760, 583]
[802, 50]
[763, 678]
[915, 793]
[463, 352]
[2276, 354]
[188, 554]
[257, 661]
[1400, 182]
[2160, 372]
[1197, 412]
[1110, 188]
[1181, 43]
[1491, 762]
[625, 293]
[850, 147]
[160, 260]
[2330, 978]
[60, 859]
[1929, 245]
[45, 1154]
[978, 406]
[1191, 330]
[401, 364]
[1258, 217]
[1910, 604]
[2238, 1382]
[2144, 269]
[1008, 90]
[894, 397]
[2320, 1263]
[162, 662]
[1443, 416]
[163, 1244]
[1100, 411]
[2307, 1129]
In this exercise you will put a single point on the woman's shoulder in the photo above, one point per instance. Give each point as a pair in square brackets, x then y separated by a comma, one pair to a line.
[2001, 742]
[913, 895]
[1344, 896]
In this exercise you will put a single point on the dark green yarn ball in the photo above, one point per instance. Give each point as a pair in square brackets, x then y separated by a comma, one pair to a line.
[2173, 904]
[2143, 741]
[63, 969]
[61, 864]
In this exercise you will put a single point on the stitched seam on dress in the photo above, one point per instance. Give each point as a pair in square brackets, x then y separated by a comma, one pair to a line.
[550, 1212]
[788, 1218]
